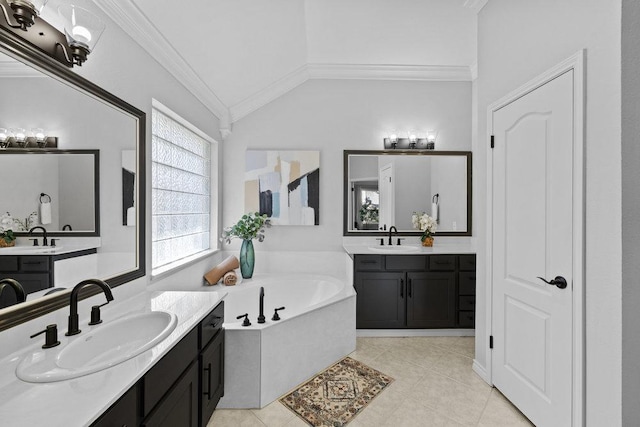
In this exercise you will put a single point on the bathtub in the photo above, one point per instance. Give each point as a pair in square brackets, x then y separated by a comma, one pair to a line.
[265, 361]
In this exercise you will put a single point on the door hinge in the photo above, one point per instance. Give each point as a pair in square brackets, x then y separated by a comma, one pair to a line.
[493, 144]
[490, 341]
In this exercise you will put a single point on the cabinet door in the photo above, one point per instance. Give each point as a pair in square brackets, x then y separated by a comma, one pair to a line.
[179, 407]
[381, 300]
[123, 413]
[211, 377]
[431, 301]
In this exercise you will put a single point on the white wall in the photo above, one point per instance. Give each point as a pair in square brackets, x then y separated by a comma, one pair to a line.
[332, 116]
[518, 40]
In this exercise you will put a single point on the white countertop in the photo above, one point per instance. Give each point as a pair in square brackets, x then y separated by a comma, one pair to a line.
[436, 249]
[45, 250]
[80, 401]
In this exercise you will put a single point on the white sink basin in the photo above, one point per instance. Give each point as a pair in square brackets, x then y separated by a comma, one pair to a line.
[106, 345]
[394, 248]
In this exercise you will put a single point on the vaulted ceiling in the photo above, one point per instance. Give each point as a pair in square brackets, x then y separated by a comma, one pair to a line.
[237, 55]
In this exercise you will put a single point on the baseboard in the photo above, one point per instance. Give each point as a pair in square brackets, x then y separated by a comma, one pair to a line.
[481, 371]
[415, 332]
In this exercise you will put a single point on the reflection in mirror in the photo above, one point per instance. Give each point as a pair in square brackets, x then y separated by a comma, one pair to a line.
[59, 190]
[384, 188]
[107, 224]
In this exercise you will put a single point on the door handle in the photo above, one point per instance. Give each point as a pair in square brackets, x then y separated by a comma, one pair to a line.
[559, 281]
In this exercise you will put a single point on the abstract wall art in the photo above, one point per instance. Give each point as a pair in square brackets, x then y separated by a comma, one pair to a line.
[284, 184]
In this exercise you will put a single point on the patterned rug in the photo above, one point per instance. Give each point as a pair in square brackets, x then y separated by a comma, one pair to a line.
[333, 397]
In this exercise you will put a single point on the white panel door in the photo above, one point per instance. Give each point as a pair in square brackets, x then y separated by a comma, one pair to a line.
[532, 237]
[386, 182]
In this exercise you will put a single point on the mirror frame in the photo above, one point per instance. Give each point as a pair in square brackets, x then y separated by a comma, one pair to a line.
[30, 55]
[96, 189]
[345, 202]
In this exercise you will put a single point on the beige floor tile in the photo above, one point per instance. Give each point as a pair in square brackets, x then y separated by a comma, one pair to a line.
[274, 415]
[460, 368]
[499, 412]
[465, 346]
[365, 352]
[400, 369]
[234, 418]
[410, 414]
[426, 356]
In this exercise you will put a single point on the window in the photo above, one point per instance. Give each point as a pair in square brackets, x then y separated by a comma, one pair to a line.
[181, 189]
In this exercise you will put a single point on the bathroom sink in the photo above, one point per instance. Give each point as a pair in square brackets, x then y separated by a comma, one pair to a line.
[93, 350]
[29, 249]
[396, 248]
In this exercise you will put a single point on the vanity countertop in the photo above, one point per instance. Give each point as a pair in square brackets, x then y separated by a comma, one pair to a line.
[80, 401]
[46, 250]
[436, 249]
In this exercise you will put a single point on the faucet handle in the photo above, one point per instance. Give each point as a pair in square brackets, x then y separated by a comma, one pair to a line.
[399, 239]
[51, 336]
[35, 242]
[246, 319]
[95, 314]
[381, 240]
[276, 316]
[53, 242]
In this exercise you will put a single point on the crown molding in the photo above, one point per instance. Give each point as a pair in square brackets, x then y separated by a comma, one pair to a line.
[389, 72]
[18, 69]
[346, 72]
[136, 24]
[476, 5]
[269, 94]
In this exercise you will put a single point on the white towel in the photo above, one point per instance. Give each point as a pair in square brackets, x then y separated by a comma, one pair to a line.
[434, 211]
[45, 213]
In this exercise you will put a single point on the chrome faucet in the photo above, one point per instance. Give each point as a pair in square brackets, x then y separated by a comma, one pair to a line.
[44, 235]
[17, 288]
[391, 230]
[73, 304]
[261, 316]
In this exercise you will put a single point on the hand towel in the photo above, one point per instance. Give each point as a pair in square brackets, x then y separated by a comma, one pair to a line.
[230, 278]
[45, 213]
[434, 211]
[215, 274]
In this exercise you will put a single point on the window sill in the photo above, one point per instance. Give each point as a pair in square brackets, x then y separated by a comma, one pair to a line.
[174, 267]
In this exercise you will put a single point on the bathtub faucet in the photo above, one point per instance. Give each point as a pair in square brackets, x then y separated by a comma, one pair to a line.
[261, 316]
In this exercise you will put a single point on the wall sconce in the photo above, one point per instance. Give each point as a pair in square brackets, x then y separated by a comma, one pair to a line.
[411, 142]
[82, 29]
[19, 138]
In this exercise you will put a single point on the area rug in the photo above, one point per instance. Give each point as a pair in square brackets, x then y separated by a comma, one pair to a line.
[333, 397]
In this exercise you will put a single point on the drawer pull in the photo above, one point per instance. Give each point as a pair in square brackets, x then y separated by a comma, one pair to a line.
[410, 288]
[401, 288]
[32, 262]
[208, 382]
[369, 262]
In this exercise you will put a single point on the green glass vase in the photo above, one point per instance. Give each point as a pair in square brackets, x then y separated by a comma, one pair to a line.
[247, 259]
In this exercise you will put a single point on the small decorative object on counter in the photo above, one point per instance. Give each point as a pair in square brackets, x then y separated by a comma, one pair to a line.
[249, 227]
[7, 238]
[425, 223]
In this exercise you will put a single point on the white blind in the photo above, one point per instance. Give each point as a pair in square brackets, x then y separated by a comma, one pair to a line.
[181, 185]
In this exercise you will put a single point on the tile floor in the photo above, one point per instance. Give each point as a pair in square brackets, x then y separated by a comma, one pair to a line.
[434, 386]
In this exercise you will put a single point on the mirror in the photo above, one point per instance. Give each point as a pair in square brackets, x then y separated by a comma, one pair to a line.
[38, 92]
[383, 189]
[65, 180]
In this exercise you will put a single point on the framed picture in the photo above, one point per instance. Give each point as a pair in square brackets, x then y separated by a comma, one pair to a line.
[284, 184]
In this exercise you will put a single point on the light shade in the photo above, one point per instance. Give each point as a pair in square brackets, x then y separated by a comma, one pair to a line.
[81, 27]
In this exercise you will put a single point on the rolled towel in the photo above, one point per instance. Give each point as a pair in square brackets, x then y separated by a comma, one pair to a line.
[230, 278]
[45, 213]
[215, 274]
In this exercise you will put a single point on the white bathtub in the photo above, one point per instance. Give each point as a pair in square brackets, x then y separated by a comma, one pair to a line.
[265, 361]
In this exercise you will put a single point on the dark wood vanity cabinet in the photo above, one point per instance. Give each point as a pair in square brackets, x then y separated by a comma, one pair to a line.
[414, 291]
[183, 388]
[34, 273]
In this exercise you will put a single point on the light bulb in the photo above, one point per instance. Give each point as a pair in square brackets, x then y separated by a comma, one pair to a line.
[431, 136]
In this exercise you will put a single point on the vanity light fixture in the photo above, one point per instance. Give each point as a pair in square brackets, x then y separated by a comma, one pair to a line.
[24, 12]
[4, 138]
[82, 30]
[412, 141]
[19, 138]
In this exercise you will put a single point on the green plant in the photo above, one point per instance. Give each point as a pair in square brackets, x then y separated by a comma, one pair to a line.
[6, 228]
[252, 225]
[368, 212]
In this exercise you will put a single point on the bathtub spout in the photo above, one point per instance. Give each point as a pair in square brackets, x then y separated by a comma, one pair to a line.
[261, 316]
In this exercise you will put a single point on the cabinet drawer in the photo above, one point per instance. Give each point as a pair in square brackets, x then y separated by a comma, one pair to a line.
[467, 283]
[160, 378]
[467, 263]
[368, 262]
[34, 263]
[406, 262]
[8, 263]
[467, 302]
[466, 319]
[442, 262]
[211, 325]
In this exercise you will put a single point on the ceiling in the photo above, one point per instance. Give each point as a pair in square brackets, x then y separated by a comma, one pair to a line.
[241, 54]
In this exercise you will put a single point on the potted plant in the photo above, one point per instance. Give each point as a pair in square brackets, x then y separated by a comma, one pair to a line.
[369, 212]
[7, 238]
[425, 223]
[251, 226]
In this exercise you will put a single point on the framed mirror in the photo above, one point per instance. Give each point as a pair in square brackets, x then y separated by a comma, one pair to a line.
[39, 92]
[68, 181]
[384, 188]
